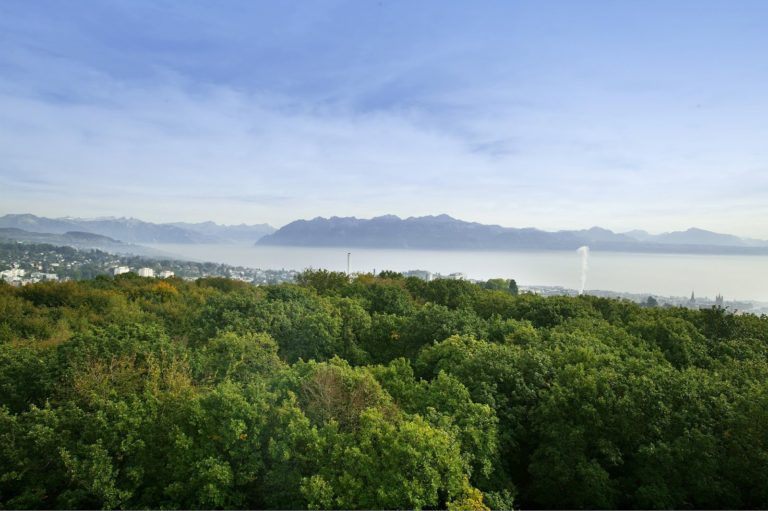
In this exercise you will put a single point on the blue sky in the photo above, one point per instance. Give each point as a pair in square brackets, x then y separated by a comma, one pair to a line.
[553, 114]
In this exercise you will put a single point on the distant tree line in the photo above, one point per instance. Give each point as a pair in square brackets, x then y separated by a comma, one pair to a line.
[374, 392]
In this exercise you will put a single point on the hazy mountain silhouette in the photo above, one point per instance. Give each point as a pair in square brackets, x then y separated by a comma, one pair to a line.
[79, 240]
[131, 230]
[445, 232]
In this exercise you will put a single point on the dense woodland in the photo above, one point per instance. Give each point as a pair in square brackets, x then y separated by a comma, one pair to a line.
[380, 392]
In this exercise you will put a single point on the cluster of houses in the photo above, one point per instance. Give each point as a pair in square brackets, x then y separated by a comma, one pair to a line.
[429, 276]
[19, 276]
[142, 272]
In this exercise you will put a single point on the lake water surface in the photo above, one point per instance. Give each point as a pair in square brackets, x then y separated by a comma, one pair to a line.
[734, 276]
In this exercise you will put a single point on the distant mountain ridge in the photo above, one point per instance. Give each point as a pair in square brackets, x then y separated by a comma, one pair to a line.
[388, 231]
[445, 232]
[76, 239]
[131, 230]
[234, 233]
[15, 233]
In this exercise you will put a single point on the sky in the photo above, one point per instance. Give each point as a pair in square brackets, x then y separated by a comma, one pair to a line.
[543, 113]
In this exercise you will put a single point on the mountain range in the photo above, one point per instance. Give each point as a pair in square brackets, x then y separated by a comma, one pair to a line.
[79, 240]
[445, 232]
[131, 230]
[440, 232]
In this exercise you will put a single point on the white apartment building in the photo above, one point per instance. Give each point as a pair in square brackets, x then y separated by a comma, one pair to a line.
[12, 274]
[146, 272]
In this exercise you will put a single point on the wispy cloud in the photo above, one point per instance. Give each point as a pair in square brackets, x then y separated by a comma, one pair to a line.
[251, 114]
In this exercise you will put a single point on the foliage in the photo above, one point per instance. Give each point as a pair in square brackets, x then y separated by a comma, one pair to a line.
[374, 392]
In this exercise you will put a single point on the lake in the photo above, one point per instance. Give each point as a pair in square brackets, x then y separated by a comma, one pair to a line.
[736, 277]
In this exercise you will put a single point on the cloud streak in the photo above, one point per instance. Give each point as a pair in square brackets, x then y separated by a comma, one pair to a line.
[204, 119]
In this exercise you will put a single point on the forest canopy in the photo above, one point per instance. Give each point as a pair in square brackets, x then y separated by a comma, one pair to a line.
[376, 392]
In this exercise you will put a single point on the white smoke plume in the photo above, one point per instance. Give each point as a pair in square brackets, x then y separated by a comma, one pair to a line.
[584, 253]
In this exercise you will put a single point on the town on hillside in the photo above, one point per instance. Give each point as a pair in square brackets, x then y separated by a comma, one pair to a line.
[26, 263]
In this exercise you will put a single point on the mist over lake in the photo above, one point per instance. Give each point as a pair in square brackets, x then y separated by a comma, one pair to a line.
[734, 276]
